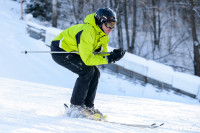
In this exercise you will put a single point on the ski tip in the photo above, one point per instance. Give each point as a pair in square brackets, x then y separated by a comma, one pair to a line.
[162, 124]
[65, 105]
[105, 117]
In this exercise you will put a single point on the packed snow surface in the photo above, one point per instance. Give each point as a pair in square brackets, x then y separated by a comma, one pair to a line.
[30, 107]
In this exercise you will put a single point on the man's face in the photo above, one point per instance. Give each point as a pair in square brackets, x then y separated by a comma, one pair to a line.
[106, 29]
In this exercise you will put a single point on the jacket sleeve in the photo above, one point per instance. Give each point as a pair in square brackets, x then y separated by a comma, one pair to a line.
[105, 46]
[85, 48]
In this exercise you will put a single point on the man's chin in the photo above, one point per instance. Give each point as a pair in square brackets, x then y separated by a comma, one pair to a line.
[108, 32]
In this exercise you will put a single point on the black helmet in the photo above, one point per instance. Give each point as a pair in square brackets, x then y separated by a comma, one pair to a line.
[105, 15]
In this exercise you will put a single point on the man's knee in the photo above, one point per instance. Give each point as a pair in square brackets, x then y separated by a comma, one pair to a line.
[87, 73]
[91, 72]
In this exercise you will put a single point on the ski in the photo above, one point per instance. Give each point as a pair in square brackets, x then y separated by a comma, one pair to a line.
[65, 105]
[153, 125]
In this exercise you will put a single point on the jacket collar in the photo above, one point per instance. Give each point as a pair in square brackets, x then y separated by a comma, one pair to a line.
[91, 20]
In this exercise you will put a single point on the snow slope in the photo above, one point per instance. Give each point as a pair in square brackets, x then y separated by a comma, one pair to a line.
[40, 68]
[27, 107]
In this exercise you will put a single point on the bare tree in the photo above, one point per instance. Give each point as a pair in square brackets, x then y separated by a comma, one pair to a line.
[111, 4]
[21, 10]
[54, 13]
[156, 23]
[126, 24]
[196, 44]
[132, 47]
[118, 7]
[74, 10]
[78, 10]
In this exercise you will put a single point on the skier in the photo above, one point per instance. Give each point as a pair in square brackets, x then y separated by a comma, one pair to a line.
[92, 36]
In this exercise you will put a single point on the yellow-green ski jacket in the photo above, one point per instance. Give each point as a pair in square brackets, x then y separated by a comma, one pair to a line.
[85, 38]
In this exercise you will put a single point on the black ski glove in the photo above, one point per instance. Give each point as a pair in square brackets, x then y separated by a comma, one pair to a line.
[99, 49]
[116, 55]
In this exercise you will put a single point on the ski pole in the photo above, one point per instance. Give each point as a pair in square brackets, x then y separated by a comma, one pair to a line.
[60, 52]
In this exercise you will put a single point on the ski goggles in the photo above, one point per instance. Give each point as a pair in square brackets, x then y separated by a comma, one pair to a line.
[110, 24]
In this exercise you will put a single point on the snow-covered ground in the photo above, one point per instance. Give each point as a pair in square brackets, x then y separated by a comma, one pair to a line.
[35, 108]
[33, 89]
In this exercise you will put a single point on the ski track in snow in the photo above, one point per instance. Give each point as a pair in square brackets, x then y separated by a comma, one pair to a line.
[27, 107]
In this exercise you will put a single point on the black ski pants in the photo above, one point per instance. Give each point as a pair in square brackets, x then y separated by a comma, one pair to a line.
[86, 84]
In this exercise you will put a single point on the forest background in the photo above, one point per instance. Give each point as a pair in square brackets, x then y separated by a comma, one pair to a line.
[166, 31]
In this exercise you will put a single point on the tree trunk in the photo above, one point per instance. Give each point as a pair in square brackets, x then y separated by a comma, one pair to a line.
[22, 10]
[132, 47]
[196, 44]
[55, 13]
[118, 5]
[126, 24]
[80, 10]
[154, 25]
[111, 4]
[159, 25]
[74, 11]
